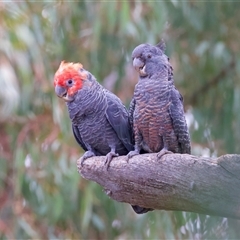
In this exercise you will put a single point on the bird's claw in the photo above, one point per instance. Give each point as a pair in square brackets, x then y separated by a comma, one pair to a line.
[131, 154]
[86, 155]
[109, 158]
[163, 152]
[79, 162]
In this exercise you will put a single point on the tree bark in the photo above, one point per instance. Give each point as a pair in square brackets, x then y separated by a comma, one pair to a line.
[178, 182]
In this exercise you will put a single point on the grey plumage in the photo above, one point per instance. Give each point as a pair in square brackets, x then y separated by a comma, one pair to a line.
[100, 122]
[156, 110]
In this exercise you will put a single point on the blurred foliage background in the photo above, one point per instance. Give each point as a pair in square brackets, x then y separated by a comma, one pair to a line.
[41, 193]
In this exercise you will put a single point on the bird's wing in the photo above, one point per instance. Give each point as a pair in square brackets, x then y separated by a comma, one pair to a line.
[131, 111]
[179, 122]
[78, 138]
[117, 116]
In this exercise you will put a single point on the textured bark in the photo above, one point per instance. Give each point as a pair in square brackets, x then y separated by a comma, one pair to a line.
[179, 182]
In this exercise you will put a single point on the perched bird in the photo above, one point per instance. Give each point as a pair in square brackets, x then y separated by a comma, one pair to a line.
[100, 121]
[156, 110]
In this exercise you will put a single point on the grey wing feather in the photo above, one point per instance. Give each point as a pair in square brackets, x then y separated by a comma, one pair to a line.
[117, 116]
[78, 138]
[130, 112]
[179, 121]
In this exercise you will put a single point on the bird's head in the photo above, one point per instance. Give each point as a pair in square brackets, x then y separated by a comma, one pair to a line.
[68, 79]
[144, 55]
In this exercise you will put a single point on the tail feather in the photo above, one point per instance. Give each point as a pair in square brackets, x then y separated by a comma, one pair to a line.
[141, 210]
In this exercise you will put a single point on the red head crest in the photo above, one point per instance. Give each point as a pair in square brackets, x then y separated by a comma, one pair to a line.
[69, 76]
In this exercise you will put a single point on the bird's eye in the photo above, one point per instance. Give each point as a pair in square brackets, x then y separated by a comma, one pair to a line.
[70, 82]
[149, 56]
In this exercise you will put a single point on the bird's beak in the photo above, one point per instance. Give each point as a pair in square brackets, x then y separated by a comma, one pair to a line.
[62, 93]
[139, 65]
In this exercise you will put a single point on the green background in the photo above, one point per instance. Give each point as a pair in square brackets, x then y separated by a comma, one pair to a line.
[41, 193]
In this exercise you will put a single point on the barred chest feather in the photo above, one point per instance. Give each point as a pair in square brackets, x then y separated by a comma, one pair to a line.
[151, 115]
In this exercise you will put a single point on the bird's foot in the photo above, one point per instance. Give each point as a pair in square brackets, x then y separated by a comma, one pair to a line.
[163, 152]
[132, 153]
[86, 155]
[109, 158]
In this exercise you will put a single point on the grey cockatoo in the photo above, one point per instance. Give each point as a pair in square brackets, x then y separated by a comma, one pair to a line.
[100, 122]
[156, 110]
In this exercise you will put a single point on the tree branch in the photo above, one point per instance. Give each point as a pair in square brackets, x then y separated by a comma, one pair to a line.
[179, 182]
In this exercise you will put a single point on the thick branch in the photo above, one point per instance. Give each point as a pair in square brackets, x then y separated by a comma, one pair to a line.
[178, 182]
